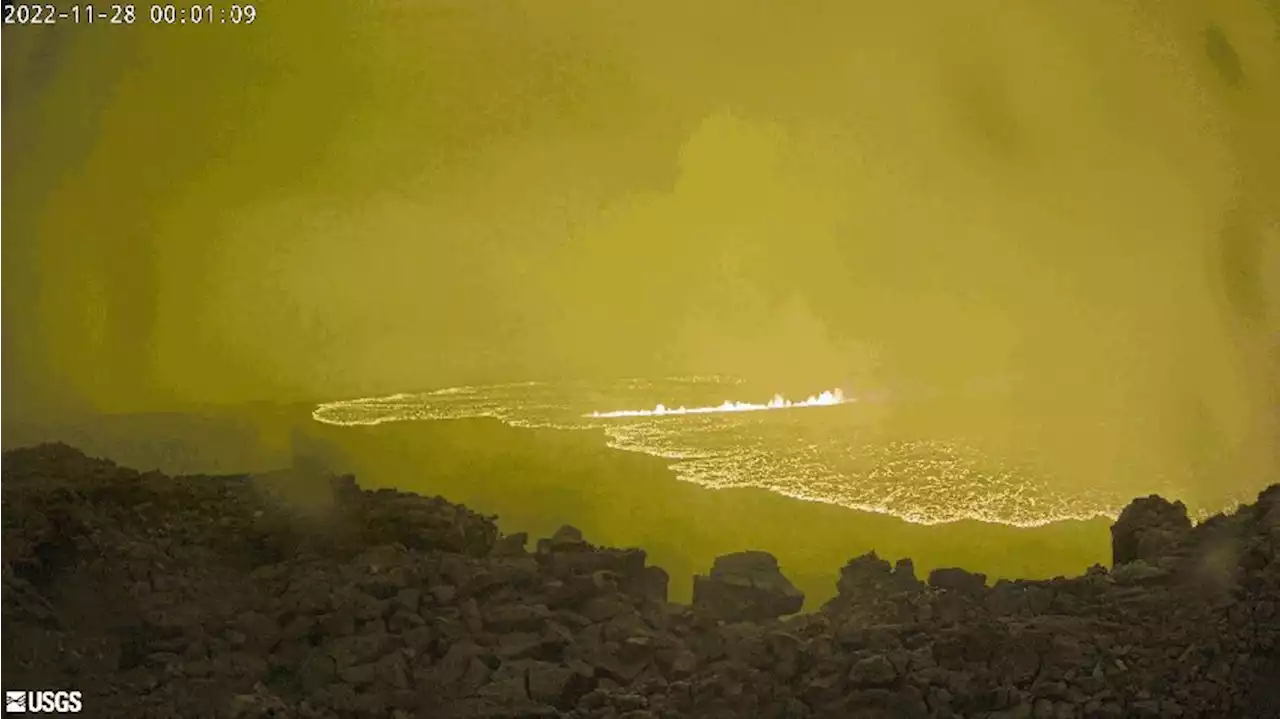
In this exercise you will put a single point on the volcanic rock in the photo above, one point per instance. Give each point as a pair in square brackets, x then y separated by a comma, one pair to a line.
[227, 597]
[957, 580]
[1148, 529]
[746, 586]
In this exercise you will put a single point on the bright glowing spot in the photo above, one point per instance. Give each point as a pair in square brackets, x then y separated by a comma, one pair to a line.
[826, 399]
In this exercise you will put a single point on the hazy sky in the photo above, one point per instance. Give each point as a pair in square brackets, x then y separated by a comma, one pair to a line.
[347, 198]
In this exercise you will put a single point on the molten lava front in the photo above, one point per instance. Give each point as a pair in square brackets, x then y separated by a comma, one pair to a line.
[826, 399]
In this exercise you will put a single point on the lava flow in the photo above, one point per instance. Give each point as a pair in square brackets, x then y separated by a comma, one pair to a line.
[826, 399]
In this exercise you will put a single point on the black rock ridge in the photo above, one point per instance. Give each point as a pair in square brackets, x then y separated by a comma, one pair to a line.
[253, 597]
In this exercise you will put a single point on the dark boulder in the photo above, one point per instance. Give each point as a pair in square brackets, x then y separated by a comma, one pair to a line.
[864, 574]
[1148, 529]
[959, 580]
[566, 539]
[746, 586]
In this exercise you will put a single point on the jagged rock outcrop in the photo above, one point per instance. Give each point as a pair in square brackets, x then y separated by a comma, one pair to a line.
[1149, 528]
[229, 597]
[746, 586]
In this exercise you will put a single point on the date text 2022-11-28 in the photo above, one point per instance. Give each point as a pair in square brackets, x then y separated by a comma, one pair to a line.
[43, 14]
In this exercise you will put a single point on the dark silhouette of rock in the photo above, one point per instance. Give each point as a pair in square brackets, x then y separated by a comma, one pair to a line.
[512, 545]
[566, 538]
[746, 586]
[957, 580]
[867, 573]
[1147, 529]
[212, 597]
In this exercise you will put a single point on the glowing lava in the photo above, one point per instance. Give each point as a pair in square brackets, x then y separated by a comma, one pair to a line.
[826, 399]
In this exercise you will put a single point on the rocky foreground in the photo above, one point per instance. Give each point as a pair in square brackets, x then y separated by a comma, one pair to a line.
[260, 597]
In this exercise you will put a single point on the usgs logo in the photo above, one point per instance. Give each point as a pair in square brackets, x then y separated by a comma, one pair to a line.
[57, 702]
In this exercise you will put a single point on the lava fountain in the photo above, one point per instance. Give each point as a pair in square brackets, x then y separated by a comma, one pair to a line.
[829, 398]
